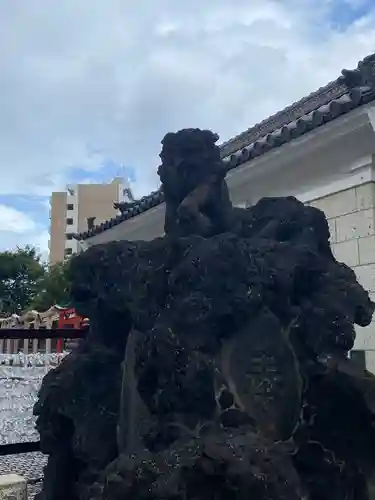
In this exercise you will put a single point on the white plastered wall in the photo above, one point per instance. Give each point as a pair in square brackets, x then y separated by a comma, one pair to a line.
[351, 218]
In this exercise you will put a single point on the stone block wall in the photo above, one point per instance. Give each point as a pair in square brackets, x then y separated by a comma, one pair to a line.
[351, 219]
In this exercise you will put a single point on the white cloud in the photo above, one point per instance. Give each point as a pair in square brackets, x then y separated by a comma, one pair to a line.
[15, 221]
[115, 76]
[18, 229]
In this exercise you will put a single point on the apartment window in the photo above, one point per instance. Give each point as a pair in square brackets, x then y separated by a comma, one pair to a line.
[69, 221]
[69, 236]
[71, 192]
[68, 251]
[70, 206]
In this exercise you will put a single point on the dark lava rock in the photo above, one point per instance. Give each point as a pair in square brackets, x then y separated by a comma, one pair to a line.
[216, 364]
[227, 464]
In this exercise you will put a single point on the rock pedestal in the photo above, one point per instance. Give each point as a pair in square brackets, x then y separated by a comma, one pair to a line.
[217, 360]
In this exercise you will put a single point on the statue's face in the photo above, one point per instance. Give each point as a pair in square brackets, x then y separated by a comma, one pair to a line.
[183, 161]
[189, 148]
[188, 158]
[172, 158]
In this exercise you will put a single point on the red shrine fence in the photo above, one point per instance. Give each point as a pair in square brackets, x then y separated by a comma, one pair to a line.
[56, 318]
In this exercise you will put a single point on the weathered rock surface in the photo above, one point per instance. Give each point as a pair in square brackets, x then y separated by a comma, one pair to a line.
[216, 364]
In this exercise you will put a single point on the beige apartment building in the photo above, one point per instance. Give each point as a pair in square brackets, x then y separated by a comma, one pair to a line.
[79, 206]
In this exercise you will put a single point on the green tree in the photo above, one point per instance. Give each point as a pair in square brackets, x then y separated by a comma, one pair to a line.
[53, 288]
[21, 272]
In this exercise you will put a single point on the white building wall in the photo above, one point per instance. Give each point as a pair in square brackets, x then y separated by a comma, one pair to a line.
[351, 218]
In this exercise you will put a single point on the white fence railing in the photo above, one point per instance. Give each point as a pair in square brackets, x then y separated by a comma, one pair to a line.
[27, 346]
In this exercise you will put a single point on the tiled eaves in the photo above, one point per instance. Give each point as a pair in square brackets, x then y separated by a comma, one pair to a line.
[320, 107]
[293, 112]
[297, 128]
[151, 200]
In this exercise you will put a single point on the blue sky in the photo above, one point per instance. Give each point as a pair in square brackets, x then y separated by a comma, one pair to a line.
[117, 76]
[344, 13]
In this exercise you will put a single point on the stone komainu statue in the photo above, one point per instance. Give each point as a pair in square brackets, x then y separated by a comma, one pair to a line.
[192, 175]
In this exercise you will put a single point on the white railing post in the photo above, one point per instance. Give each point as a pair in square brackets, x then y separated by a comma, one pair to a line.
[13, 486]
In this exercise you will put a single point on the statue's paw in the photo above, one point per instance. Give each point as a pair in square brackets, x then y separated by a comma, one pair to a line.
[185, 213]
